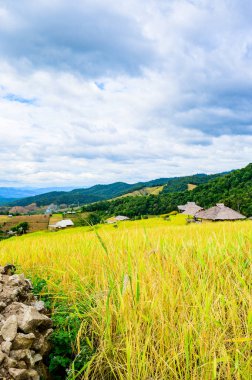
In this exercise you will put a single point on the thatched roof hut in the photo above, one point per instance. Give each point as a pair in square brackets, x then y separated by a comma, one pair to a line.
[118, 218]
[181, 208]
[219, 212]
[191, 208]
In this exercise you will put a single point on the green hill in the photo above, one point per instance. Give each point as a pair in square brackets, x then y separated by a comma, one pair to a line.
[180, 183]
[103, 192]
[233, 189]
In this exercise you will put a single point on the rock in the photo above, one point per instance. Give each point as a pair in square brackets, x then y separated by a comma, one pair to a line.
[18, 354]
[28, 284]
[23, 341]
[24, 329]
[2, 356]
[15, 280]
[33, 375]
[2, 305]
[9, 329]
[21, 365]
[18, 374]
[37, 358]
[41, 341]
[11, 362]
[32, 320]
[39, 305]
[6, 347]
[9, 269]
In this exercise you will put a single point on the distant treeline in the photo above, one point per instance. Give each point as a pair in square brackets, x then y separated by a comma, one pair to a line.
[233, 189]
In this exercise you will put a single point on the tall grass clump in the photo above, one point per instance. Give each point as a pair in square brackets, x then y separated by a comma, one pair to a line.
[153, 301]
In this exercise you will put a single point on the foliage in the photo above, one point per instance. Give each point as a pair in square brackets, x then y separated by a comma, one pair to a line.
[21, 228]
[88, 220]
[62, 361]
[180, 183]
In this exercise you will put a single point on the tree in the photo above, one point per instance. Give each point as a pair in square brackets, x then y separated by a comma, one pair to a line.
[21, 228]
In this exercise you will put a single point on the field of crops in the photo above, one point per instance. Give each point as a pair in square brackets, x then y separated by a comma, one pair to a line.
[156, 300]
[36, 222]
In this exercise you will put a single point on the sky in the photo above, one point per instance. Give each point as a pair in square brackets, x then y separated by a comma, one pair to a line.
[96, 91]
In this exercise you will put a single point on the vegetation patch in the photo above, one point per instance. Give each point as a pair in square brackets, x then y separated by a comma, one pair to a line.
[64, 361]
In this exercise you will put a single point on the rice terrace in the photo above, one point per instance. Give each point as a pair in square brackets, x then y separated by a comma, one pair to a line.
[147, 300]
[126, 190]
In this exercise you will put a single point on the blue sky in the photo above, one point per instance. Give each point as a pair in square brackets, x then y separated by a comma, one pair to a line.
[97, 92]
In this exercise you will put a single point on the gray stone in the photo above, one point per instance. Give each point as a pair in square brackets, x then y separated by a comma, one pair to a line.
[8, 269]
[11, 362]
[6, 347]
[21, 365]
[32, 320]
[9, 329]
[18, 374]
[2, 305]
[33, 375]
[39, 305]
[24, 329]
[37, 358]
[19, 354]
[2, 357]
[23, 341]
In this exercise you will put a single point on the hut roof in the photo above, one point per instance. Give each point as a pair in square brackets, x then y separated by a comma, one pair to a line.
[182, 207]
[64, 223]
[191, 208]
[117, 218]
[121, 217]
[219, 212]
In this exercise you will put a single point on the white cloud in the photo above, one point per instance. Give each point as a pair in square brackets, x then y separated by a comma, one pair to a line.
[164, 90]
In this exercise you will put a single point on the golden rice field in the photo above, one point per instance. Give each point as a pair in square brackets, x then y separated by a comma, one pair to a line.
[168, 302]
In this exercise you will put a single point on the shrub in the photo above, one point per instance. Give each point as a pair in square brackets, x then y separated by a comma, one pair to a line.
[62, 361]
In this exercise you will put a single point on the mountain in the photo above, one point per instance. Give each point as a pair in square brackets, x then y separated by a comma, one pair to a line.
[11, 193]
[92, 194]
[233, 189]
[3, 200]
[103, 192]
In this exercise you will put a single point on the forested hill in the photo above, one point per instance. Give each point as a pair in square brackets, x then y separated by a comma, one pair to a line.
[233, 189]
[180, 183]
[104, 192]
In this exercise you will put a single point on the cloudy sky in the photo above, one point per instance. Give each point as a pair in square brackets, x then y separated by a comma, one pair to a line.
[97, 91]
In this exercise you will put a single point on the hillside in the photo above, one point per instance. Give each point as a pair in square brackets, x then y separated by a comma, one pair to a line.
[180, 183]
[4, 200]
[154, 190]
[233, 189]
[103, 192]
[93, 194]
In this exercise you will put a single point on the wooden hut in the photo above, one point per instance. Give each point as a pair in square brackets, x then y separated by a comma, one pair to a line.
[219, 213]
[191, 208]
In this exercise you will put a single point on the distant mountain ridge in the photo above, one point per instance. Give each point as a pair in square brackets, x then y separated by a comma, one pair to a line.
[104, 192]
[22, 192]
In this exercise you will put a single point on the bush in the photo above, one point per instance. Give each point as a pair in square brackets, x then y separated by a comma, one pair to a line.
[21, 228]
